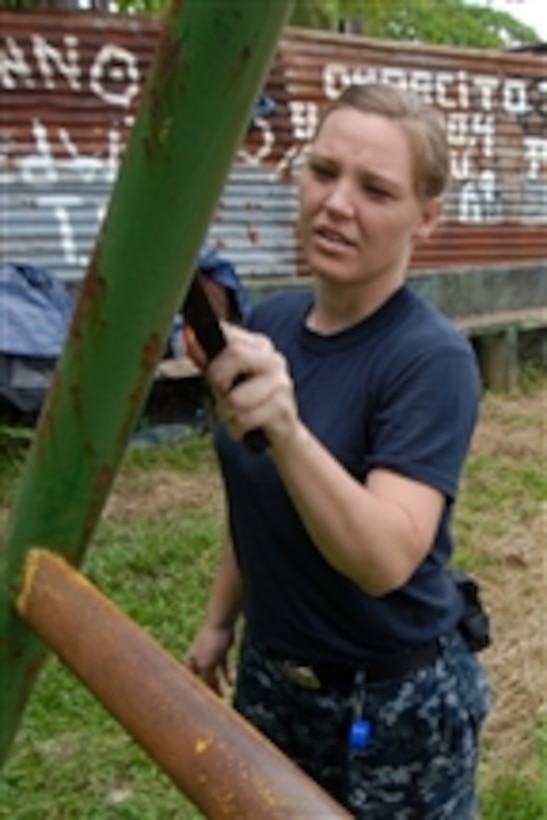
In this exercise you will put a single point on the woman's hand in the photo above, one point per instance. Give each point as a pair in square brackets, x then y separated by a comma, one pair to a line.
[207, 656]
[252, 387]
[193, 348]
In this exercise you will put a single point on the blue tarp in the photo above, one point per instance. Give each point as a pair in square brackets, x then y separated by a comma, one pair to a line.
[35, 313]
[35, 310]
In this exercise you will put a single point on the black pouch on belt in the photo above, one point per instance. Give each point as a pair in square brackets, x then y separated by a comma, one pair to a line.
[475, 623]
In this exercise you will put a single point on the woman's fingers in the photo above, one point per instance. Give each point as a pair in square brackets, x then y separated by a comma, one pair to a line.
[250, 382]
[193, 348]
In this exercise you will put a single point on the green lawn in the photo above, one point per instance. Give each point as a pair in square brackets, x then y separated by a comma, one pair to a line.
[72, 760]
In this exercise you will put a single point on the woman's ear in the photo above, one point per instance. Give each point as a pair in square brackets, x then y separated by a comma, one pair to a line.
[431, 213]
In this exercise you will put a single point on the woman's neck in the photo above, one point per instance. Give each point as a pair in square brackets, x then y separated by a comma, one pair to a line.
[336, 308]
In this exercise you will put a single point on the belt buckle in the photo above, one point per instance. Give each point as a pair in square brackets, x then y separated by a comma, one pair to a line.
[300, 674]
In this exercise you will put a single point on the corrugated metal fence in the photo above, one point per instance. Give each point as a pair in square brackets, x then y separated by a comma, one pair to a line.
[69, 87]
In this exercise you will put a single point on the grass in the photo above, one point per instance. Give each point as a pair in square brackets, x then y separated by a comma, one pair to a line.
[500, 494]
[70, 758]
[522, 795]
[72, 761]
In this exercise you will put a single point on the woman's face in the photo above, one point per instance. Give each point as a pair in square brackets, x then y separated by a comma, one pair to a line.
[359, 212]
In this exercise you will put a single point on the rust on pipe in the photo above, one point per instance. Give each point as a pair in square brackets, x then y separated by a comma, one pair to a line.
[217, 759]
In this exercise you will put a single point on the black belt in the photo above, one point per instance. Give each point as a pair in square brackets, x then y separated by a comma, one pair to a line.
[318, 675]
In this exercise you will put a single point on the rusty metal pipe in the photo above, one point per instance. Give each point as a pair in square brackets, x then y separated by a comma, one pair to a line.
[214, 756]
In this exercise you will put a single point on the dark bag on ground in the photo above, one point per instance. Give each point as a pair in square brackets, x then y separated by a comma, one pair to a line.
[475, 623]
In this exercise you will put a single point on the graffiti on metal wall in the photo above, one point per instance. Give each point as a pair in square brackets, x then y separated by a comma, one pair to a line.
[68, 159]
[482, 114]
[112, 75]
[52, 160]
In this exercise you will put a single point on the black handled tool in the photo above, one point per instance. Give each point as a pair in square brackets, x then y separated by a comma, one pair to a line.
[201, 317]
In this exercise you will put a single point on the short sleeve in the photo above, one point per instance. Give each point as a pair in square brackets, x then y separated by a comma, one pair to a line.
[425, 417]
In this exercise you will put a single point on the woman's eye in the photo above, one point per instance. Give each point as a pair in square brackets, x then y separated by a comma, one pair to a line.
[322, 171]
[376, 193]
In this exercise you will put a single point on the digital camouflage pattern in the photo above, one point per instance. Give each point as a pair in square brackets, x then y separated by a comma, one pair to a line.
[420, 763]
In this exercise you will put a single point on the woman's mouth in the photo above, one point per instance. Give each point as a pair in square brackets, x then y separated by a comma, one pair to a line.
[332, 241]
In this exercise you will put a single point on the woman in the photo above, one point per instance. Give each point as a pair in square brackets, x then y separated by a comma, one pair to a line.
[338, 535]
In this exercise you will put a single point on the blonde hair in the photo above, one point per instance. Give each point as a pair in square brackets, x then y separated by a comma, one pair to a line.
[421, 122]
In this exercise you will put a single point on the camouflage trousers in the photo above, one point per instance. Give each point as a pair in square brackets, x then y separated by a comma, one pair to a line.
[420, 763]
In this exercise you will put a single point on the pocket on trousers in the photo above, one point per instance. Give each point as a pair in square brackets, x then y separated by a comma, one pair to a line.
[467, 696]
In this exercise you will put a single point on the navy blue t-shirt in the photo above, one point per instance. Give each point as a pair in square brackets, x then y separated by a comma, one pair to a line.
[398, 390]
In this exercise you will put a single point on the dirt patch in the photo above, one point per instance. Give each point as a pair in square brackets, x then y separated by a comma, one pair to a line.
[146, 495]
[513, 429]
[517, 661]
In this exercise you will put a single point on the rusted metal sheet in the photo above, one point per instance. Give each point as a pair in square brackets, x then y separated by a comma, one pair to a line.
[211, 754]
[495, 109]
[70, 82]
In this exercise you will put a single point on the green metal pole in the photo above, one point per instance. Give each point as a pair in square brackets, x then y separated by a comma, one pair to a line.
[210, 64]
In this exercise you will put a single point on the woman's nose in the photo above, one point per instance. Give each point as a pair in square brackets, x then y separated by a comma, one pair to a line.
[340, 198]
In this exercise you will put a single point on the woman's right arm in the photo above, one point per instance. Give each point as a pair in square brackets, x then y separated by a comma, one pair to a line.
[208, 653]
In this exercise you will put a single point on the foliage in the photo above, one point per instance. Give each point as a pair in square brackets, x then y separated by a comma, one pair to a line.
[313, 14]
[449, 22]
